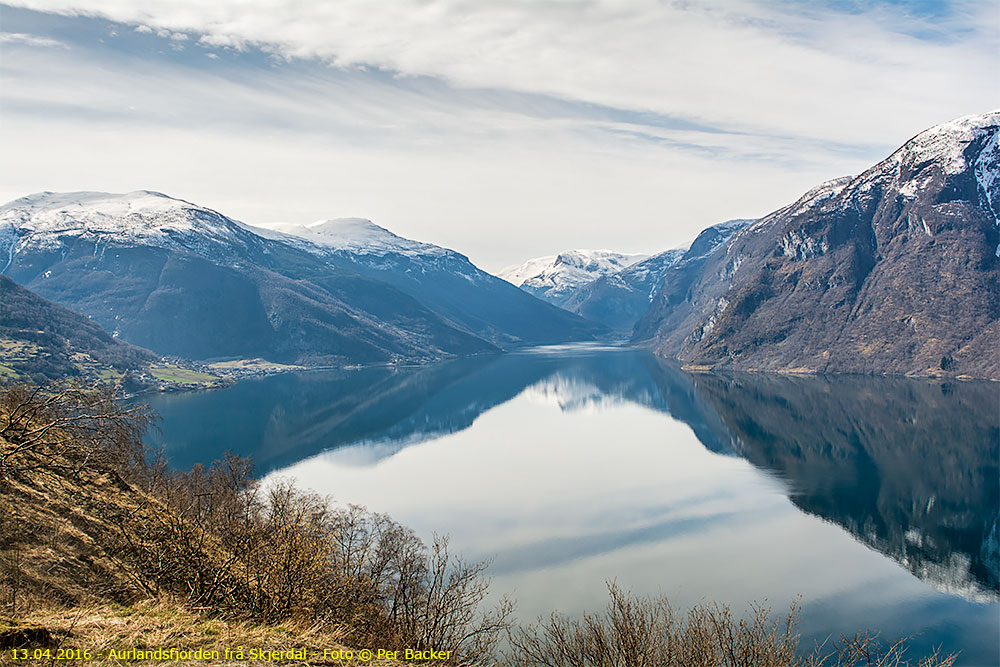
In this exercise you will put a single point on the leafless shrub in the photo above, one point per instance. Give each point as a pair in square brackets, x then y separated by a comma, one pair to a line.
[236, 548]
[648, 632]
[868, 649]
[287, 554]
[68, 427]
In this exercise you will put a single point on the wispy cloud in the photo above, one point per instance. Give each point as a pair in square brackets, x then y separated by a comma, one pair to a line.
[770, 67]
[30, 40]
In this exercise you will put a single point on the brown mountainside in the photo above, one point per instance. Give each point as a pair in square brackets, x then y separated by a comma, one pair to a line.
[894, 271]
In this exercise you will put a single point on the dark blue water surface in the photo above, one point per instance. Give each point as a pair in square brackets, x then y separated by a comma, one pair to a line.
[873, 500]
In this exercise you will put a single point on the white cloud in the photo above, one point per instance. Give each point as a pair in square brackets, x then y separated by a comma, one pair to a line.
[30, 40]
[816, 74]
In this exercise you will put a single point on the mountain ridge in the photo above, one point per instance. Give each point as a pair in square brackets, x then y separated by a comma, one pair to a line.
[156, 270]
[444, 280]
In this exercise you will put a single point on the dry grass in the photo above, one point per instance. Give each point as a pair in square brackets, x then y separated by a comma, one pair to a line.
[168, 624]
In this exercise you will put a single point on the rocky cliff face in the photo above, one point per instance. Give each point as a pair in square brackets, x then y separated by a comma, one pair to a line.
[894, 271]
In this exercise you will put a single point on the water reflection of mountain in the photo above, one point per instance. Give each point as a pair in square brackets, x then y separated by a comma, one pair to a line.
[281, 419]
[909, 467]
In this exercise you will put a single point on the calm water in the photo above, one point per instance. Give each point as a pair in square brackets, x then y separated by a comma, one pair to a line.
[875, 500]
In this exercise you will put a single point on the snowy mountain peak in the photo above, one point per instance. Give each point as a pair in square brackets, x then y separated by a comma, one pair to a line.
[102, 212]
[88, 205]
[358, 235]
[948, 150]
[141, 218]
[556, 275]
[946, 143]
[598, 262]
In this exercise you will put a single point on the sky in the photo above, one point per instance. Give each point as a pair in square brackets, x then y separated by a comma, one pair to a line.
[504, 129]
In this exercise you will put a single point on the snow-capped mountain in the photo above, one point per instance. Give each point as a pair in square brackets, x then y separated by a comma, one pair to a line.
[619, 299]
[356, 235]
[50, 220]
[893, 271]
[185, 280]
[555, 277]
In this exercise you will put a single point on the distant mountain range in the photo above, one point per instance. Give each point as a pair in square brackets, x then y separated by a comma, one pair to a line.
[441, 279]
[610, 288]
[618, 300]
[555, 278]
[184, 280]
[893, 271]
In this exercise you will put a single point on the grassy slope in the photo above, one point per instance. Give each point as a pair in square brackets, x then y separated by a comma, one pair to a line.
[41, 338]
[164, 624]
[81, 549]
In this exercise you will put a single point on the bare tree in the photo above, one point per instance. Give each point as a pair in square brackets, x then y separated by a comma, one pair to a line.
[68, 427]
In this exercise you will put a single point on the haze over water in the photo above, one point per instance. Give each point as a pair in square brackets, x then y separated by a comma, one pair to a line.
[874, 499]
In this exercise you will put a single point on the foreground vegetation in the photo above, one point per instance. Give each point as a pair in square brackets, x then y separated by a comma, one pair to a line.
[103, 547]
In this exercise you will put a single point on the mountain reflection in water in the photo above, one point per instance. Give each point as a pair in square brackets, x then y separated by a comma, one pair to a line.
[908, 467]
[281, 419]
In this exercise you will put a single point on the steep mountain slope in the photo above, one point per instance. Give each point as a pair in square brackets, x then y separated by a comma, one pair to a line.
[42, 340]
[555, 278]
[618, 300]
[894, 271]
[443, 280]
[184, 280]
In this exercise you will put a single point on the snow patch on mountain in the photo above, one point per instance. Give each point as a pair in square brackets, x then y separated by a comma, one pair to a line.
[356, 235]
[939, 151]
[142, 215]
[555, 276]
[987, 170]
[517, 274]
[811, 199]
[49, 220]
[946, 144]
